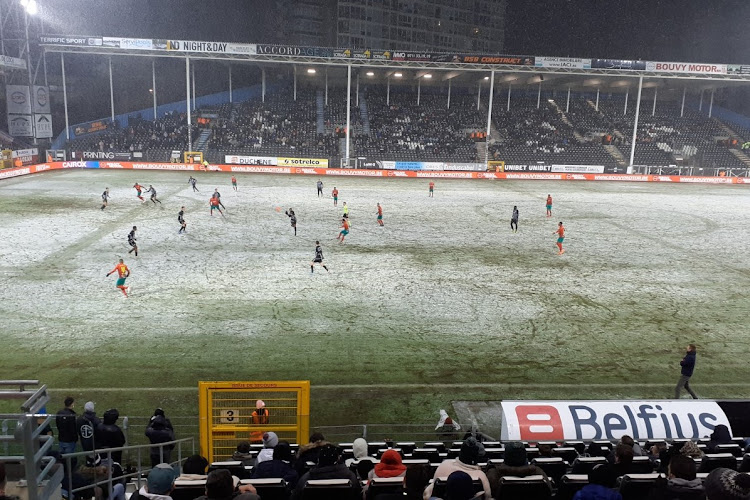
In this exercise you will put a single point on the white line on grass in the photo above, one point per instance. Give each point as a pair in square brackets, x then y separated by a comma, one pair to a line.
[329, 387]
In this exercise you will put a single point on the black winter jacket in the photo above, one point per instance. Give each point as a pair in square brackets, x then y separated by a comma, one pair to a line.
[67, 432]
[88, 430]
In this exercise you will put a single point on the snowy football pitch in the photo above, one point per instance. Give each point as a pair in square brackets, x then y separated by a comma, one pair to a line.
[441, 304]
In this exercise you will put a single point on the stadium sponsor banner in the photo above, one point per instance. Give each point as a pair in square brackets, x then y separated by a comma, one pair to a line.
[692, 68]
[101, 155]
[250, 160]
[494, 59]
[12, 62]
[617, 64]
[380, 55]
[290, 50]
[562, 62]
[20, 126]
[40, 99]
[18, 99]
[524, 167]
[43, 125]
[576, 420]
[578, 169]
[70, 40]
[411, 56]
[738, 69]
[26, 156]
[206, 47]
[128, 43]
[474, 167]
[302, 162]
[91, 127]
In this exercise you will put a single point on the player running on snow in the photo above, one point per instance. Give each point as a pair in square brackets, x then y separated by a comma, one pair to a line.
[192, 181]
[318, 258]
[181, 220]
[122, 272]
[131, 241]
[560, 238]
[344, 230]
[105, 198]
[514, 220]
[320, 188]
[153, 198]
[214, 203]
[217, 195]
[380, 215]
[138, 188]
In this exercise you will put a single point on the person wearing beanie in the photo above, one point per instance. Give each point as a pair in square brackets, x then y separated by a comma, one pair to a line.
[88, 428]
[111, 435]
[260, 416]
[682, 483]
[472, 452]
[279, 467]
[329, 467]
[515, 464]
[726, 484]
[243, 454]
[599, 486]
[459, 486]
[270, 440]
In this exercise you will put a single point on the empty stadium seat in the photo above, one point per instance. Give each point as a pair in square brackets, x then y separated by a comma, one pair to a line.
[732, 448]
[270, 488]
[637, 486]
[555, 467]
[711, 461]
[233, 466]
[567, 453]
[430, 454]
[569, 484]
[329, 489]
[579, 446]
[584, 465]
[642, 465]
[527, 488]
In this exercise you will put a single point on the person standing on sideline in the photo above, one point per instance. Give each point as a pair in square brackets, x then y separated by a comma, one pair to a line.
[105, 198]
[432, 189]
[66, 427]
[380, 215]
[514, 220]
[234, 183]
[335, 195]
[549, 205]
[259, 417]
[293, 218]
[688, 365]
[320, 188]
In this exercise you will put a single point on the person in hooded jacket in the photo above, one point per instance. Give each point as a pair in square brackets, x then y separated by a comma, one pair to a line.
[328, 467]
[682, 483]
[309, 452]
[158, 432]
[87, 425]
[720, 435]
[599, 486]
[360, 452]
[111, 435]
[279, 466]
[468, 458]
[390, 465]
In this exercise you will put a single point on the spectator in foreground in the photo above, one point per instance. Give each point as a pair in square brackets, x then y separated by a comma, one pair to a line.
[270, 440]
[599, 487]
[623, 460]
[726, 484]
[279, 467]
[159, 484]
[459, 486]
[417, 477]
[516, 464]
[194, 468]
[221, 485]
[328, 467]
[468, 458]
[243, 454]
[309, 452]
[681, 482]
[390, 465]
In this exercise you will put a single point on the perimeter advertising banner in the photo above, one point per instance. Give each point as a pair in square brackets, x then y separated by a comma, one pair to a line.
[618, 64]
[12, 62]
[20, 125]
[71, 40]
[43, 125]
[494, 59]
[188, 46]
[562, 62]
[92, 127]
[40, 99]
[576, 420]
[411, 56]
[250, 160]
[738, 69]
[692, 68]
[291, 50]
[18, 99]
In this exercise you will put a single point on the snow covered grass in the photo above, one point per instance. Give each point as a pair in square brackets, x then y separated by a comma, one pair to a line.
[444, 293]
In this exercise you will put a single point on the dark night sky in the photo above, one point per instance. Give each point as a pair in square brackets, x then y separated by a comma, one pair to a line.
[668, 30]
[687, 30]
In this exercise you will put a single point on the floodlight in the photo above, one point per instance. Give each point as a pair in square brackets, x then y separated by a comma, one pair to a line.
[397, 75]
[427, 76]
[311, 71]
[370, 73]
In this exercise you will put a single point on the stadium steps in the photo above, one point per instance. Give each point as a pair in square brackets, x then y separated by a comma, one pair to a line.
[320, 121]
[741, 156]
[730, 131]
[364, 114]
[616, 155]
[200, 144]
[481, 151]
[566, 121]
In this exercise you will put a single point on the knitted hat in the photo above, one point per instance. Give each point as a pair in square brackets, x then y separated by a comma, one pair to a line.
[259, 404]
[459, 486]
[89, 406]
[726, 484]
[515, 454]
[270, 440]
[471, 451]
[160, 479]
[390, 465]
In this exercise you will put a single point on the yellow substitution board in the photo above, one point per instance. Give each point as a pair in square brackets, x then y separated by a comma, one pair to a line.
[229, 414]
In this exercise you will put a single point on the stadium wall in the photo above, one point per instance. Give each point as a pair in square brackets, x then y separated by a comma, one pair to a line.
[348, 172]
